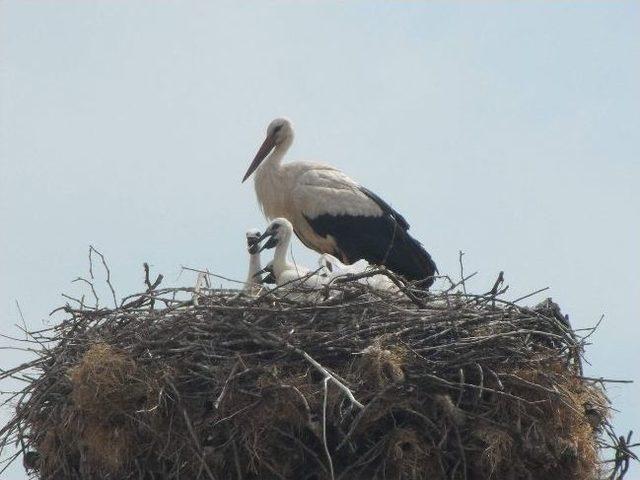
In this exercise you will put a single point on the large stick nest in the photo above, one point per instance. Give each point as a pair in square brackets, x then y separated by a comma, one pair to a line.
[356, 385]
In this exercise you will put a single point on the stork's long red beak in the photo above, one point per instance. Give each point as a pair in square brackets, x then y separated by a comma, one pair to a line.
[265, 148]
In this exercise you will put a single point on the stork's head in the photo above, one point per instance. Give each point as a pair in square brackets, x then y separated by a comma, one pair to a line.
[281, 130]
[253, 241]
[279, 134]
[279, 231]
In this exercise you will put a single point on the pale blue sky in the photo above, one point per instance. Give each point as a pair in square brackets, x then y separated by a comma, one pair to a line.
[508, 130]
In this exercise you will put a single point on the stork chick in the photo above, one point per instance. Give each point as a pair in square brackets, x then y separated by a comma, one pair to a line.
[279, 233]
[253, 281]
[339, 269]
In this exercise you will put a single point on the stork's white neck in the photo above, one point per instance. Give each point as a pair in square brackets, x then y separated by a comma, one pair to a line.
[254, 267]
[268, 181]
[254, 264]
[274, 159]
[280, 262]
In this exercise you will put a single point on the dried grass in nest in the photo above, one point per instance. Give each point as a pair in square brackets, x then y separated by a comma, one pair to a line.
[358, 385]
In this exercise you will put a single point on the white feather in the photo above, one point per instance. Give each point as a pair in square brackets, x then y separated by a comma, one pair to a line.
[330, 192]
[339, 269]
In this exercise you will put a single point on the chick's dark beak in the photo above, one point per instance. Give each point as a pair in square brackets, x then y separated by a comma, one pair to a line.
[253, 244]
[271, 243]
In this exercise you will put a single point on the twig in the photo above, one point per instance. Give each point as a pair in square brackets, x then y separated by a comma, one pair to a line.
[93, 290]
[604, 380]
[530, 294]
[24, 323]
[106, 267]
[196, 442]
[324, 426]
[182, 267]
[224, 387]
[464, 285]
[326, 373]
[147, 282]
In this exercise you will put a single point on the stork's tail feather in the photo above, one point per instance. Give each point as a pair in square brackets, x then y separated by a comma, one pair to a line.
[429, 267]
[409, 258]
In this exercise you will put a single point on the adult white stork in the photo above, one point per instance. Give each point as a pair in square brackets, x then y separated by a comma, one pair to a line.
[333, 214]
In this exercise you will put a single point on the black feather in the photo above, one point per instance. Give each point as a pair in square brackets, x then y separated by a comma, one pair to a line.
[386, 208]
[381, 240]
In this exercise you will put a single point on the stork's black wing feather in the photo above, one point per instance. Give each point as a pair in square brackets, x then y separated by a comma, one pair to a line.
[381, 240]
[386, 208]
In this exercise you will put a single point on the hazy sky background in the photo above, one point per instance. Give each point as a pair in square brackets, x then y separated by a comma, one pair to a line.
[510, 131]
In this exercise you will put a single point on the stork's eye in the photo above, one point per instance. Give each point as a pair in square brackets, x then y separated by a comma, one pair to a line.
[277, 129]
